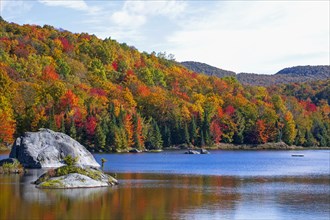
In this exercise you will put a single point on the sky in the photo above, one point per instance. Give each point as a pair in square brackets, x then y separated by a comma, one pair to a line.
[242, 36]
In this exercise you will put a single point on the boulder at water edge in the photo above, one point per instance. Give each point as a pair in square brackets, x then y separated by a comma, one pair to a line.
[66, 177]
[47, 148]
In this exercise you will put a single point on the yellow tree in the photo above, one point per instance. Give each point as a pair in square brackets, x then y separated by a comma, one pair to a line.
[289, 129]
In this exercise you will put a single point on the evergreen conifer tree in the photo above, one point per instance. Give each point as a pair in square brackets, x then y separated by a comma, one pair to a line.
[100, 137]
[73, 131]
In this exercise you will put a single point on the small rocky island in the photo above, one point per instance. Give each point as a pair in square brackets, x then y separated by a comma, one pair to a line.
[69, 163]
[72, 176]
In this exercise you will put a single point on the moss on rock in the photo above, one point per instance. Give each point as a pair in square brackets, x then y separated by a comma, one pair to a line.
[53, 178]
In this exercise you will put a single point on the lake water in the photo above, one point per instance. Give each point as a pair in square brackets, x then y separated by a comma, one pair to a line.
[172, 185]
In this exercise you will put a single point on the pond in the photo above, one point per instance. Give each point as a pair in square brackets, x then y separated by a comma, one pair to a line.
[172, 185]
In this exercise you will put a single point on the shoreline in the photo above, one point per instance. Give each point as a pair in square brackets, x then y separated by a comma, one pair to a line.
[252, 147]
[221, 146]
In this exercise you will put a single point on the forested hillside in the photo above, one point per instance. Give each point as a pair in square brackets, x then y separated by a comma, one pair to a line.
[110, 96]
[318, 71]
[285, 76]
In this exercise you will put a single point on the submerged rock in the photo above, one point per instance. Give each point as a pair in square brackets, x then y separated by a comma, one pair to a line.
[47, 148]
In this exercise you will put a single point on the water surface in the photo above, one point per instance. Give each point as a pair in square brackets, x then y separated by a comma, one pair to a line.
[171, 185]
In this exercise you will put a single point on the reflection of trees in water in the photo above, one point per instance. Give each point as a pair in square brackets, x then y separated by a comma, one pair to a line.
[159, 195]
[300, 193]
[152, 196]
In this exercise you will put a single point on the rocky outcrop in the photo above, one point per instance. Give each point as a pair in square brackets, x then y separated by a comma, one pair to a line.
[204, 151]
[47, 148]
[192, 152]
[74, 177]
[72, 180]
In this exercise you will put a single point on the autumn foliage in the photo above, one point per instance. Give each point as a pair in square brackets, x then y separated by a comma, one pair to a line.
[110, 96]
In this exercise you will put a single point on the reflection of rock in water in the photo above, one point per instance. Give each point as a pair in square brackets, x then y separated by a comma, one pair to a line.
[30, 193]
[84, 194]
[28, 190]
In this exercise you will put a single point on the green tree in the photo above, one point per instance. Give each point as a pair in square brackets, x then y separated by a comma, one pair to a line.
[154, 137]
[73, 131]
[206, 129]
[167, 136]
[97, 68]
[193, 131]
[63, 68]
[186, 134]
[63, 125]
[240, 121]
[100, 137]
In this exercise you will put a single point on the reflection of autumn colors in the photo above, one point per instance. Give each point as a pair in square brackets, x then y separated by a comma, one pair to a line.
[149, 196]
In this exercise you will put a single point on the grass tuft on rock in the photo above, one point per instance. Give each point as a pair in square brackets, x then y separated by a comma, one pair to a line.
[51, 184]
[9, 168]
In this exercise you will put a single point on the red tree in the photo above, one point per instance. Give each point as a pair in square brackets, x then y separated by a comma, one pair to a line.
[129, 129]
[262, 135]
[215, 131]
[90, 125]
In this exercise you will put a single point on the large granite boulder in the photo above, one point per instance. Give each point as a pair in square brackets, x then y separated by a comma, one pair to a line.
[47, 148]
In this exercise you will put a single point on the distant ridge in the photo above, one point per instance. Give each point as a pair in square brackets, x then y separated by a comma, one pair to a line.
[287, 75]
[306, 71]
[207, 69]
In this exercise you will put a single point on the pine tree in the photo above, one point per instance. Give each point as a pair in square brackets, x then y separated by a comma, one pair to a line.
[310, 141]
[158, 142]
[206, 129]
[63, 125]
[193, 131]
[52, 123]
[73, 131]
[320, 133]
[167, 136]
[240, 121]
[100, 138]
[154, 137]
[177, 133]
[186, 134]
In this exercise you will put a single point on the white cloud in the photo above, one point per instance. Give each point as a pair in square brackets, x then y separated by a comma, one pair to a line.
[14, 7]
[125, 19]
[258, 37]
[76, 5]
[136, 13]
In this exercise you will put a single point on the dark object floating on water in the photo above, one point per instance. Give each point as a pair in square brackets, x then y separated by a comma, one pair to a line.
[203, 151]
[191, 152]
[297, 155]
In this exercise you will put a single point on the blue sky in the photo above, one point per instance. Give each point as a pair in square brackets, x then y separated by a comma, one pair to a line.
[243, 36]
